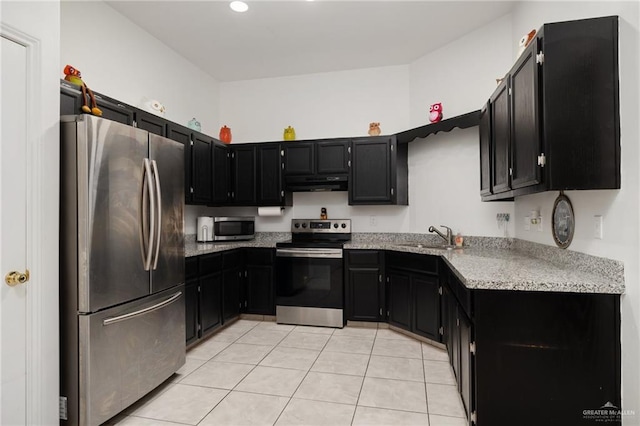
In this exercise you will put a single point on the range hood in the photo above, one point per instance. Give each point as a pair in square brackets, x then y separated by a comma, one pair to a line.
[316, 183]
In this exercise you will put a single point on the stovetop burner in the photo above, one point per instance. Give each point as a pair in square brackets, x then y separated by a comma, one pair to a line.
[320, 233]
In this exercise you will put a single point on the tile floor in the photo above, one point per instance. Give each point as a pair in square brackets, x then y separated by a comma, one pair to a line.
[263, 373]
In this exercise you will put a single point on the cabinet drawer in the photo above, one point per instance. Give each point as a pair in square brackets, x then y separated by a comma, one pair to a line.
[209, 263]
[413, 262]
[191, 267]
[364, 257]
[259, 256]
[231, 259]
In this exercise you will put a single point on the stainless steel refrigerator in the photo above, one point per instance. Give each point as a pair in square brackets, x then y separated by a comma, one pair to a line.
[122, 318]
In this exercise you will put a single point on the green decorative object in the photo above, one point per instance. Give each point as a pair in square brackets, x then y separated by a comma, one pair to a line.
[289, 134]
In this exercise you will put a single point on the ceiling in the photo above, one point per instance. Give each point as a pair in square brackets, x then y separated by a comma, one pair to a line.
[282, 38]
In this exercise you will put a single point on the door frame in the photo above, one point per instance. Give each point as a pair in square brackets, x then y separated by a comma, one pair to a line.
[42, 187]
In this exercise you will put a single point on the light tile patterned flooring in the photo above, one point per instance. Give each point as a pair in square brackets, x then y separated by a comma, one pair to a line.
[263, 373]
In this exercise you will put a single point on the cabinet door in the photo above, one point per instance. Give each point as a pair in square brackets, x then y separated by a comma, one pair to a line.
[500, 134]
[446, 306]
[183, 135]
[270, 190]
[399, 302]
[114, 111]
[299, 158]
[231, 293]
[221, 166]
[210, 315]
[370, 181]
[363, 294]
[202, 171]
[259, 290]
[332, 157]
[525, 129]
[426, 308]
[70, 99]
[244, 175]
[191, 311]
[149, 122]
[485, 150]
[466, 366]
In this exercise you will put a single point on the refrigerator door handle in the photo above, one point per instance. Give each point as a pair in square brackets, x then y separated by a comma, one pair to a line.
[158, 224]
[148, 210]
[130, 315]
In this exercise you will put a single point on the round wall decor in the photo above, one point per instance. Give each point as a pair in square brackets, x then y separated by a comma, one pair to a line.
[563, 221]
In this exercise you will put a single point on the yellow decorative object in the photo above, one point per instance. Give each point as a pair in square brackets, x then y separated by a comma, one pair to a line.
[289, 134]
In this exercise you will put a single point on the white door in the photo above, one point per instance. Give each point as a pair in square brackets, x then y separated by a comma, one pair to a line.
[29, 185]
[13, 232]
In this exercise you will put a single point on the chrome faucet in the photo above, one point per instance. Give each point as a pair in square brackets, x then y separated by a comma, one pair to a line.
[448, 238]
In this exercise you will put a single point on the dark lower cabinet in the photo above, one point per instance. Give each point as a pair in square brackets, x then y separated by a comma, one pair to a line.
[203, 296]
[413, 294]
[364, 288]
[210, 293]
[191, 311]
[259, 282]
[232, 279]
[549, 355]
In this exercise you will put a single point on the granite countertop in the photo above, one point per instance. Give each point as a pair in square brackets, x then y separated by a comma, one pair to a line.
[483, 263]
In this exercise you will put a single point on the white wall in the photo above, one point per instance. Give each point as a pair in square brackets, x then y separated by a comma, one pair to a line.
[119, 59]
[620, 208]
[443, 169]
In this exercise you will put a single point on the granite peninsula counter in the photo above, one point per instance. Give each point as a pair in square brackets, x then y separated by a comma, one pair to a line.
[484, 263]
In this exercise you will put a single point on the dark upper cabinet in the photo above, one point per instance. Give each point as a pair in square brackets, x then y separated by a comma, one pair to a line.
[270, 190]
[183, 135]
[485, 150]
[243, 175]
[555, 119]
[221, 174]
[332, 157]
[149, 122]
[364, 287]
[500, 137]
[525, 136]
[378, 173]
[299, 158]
[71, 104]
[201, 169]
[311, 165]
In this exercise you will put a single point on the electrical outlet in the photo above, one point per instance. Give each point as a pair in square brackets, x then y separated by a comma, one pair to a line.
[373, 221]
[539, 224]
[527, 223]
[598, 227]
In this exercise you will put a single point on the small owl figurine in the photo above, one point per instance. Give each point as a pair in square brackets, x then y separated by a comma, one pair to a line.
[374, 129]
[435, 112]
[289, 134]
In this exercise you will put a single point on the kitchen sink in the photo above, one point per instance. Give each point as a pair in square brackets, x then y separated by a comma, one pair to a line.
[426, 246]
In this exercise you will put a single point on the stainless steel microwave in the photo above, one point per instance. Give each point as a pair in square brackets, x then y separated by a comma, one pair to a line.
[234, 228]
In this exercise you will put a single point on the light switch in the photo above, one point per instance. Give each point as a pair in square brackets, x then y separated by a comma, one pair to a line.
[597, 227]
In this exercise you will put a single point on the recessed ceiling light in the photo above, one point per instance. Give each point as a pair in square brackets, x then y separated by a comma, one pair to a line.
[239, 6]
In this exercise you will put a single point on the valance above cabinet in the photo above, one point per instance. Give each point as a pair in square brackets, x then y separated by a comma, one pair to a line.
[553, 123]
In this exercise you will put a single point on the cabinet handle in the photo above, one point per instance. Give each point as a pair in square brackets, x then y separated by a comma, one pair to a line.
[441, 330]
[457, 322]
[472, 347]
[380, 278]
[282, 153]
[233, 194]
[282, 166]
[440, 291]
[245, 275]
[245, 303]
[282, 193]
[380, 311]
[540, 58]
[391, 191]
[349, 163]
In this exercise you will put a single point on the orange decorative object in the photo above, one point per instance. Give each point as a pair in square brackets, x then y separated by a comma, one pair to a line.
[225, 134]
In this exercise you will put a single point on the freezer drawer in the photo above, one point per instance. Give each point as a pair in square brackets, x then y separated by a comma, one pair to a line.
[126, 351]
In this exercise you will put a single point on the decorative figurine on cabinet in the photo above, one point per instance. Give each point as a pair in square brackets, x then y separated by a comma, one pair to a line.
[153, 106]
[525, 40]
[435, 112]
[374, 129]
[73, 76]
[225, 134]
[289, 134]
[194, 125]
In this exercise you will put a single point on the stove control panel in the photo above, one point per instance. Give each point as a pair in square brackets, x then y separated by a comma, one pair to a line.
[318, 226]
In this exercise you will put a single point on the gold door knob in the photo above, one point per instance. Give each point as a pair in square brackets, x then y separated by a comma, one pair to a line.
[14, 278]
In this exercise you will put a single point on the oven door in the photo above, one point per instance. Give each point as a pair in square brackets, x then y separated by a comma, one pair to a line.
[309, 277]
